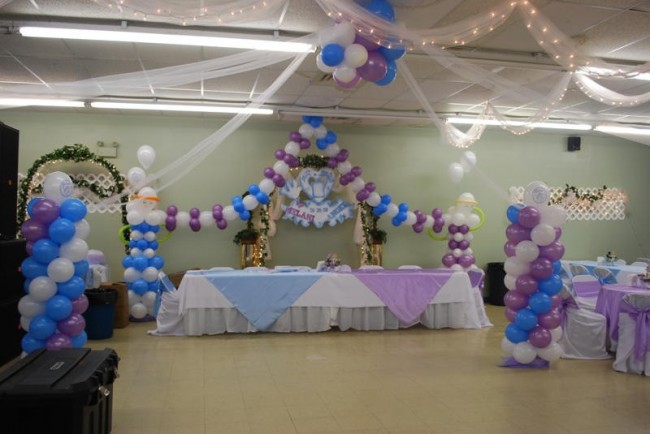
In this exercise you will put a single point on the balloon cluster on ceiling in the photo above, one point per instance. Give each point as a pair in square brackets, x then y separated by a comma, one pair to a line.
[350, 57]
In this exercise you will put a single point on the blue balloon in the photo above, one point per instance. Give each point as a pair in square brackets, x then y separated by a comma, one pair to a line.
[540, 303]
[61, 230]
[315, 121]
[30, 344]
[525, 319]
[157, 262]
[332, 55]
[386, 199]
[72, 288]
[236, 199]
[81, 268]
[382, 9]
[557, 267]
[245, 215]
[142, 244]
[127, 261]
[58, 307]
[139, 286]
[73, 209]
[153, 245]
[254, 189]
[392, 53]
[513, 214]
[306, 119]
[516, 334]
[140, 263]
[45, 251]
[239, 207]
[42, 326]
[391, 73]
[403, 207]
[321, 144]
[379, 209]
[154, 229]
[31, 203]
[331, 137]
[396, 221]
[262, 198]
[31, 268]
[79, 340]
[26, 285]
[551, 286]
[153, 286]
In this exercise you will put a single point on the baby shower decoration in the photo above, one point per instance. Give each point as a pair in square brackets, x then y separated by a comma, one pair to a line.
[51, 312]
[533, 251]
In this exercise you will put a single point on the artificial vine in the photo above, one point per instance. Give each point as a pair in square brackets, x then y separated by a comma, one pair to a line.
[313, 161]
[571, 191]
[258, 236]
[371, 233]
[76, 153]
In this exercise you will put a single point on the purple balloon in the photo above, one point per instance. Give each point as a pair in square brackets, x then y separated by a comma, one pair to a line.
[526, 284]
[439, 221]
[552, 252]
[80, 304]
[371, 187]
[279, 154]
[556, 301]
[269, 172]
[348, 84]
[195, 225]
[332, 163]
[466, 261]
[172, 210]
[278, 180]
[342, 155]
[541, 268]
[463, 245]
[170, 223]
[222, 224]
[45, 211]
[195, 213]
[369, 45]
[448, 260]
[420, 217]
[453, 228]
[452, 244]
[550, 320]
[558, 233]
[304, 143]
[375, 67]
[344, 180]
[510, 249]
[436, 213]
[529, 217]
[362, 195]
[515, 299]
[510, 314]
[539, 337]
[463, 229]
[295, 136]
[356, 171]
[418, 227]
[33, 230]
[58, 341]
[517, 233]
[437, 228]
[72, 325]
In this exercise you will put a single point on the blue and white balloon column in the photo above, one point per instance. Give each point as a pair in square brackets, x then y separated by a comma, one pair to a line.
[532, 268]
[56, 269]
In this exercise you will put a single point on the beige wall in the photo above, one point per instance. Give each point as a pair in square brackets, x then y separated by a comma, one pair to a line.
[410, 164]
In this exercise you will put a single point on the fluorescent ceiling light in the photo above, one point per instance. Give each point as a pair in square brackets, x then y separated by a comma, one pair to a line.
[24, 102]
[165, 38]
[180, 108]
[613, 129]
[549, 125]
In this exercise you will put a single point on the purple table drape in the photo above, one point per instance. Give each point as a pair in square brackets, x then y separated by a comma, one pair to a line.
[641, 330]
[609, 304]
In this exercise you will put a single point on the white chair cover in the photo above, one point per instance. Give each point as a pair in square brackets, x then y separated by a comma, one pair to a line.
[409, 267]
[221, 269]
[604, 275]
[578, 269]
[586, 288]
[633, 320]
[584, 332]
[371, 267]
[639, 263]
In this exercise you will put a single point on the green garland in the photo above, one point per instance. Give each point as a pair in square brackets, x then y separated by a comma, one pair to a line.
[313, 161]
[76, 153]
[250, 233]
[572, 189]
[371, 233]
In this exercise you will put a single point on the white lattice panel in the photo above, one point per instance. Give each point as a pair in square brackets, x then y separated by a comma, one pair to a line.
[610, 207]
[91, 200]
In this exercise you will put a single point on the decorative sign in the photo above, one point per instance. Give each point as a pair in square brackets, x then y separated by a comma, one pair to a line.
[317, 210]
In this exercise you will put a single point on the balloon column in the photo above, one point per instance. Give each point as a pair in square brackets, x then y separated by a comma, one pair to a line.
[350, 57]
[532, 268]
[56, 268]
[142, 265]
[464, 218]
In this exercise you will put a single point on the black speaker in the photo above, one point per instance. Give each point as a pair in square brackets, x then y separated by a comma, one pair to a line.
[8, 181]
[12, 254]
[573, 144]
[11, 332]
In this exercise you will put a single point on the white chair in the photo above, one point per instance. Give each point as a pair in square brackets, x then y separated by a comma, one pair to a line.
[638, 263]
[620, 262]
[586, 289]
[646, 261]
[584, 333]
[371, 267]
[409, 267]
[578, 269]
[255, 269]
[633, 355]
[605, 275]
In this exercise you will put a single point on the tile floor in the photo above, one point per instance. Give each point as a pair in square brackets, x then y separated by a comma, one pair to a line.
[408, 381]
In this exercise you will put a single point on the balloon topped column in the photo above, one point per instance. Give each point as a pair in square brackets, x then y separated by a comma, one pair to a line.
[533, 251]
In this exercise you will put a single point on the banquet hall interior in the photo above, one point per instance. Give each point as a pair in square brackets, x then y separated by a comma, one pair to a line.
[487, 140]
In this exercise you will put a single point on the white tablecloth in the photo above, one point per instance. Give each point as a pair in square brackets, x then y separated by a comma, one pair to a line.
[336, 299]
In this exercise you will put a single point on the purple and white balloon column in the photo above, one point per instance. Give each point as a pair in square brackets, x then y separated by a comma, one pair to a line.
[56, 269]
[462, 222]
[533, 251]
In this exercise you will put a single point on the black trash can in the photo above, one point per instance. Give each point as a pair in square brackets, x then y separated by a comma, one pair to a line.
[496, 288]
[69, 391]
[100, 316]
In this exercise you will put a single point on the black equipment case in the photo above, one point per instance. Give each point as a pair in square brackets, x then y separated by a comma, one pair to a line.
[69, 391]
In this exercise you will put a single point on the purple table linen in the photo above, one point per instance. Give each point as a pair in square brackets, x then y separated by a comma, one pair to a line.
[609, 304]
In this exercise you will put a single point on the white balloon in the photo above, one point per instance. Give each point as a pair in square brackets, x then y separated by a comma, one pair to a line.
[206, 219]
[342, 33]
[24, 322]
[524, 353]
[374, 199]
[357, 185]
[458, 237]
[510, 282]
[292, 148]
[356, 55]
[554, 215]
[229, 213]
[133, 298]
[149, 298]
[345, 74]
[150, 274]
[75, 250]
[146, 156]
[469, 236]
[332, 150]
[550, 353]
[136, 176]
[57, 186]
[428, 223]
[320, 65]
[455, 172]
[469, 251]
[131, 274]
[515, 267]
[472, 220]
[42, 288]
[183, 219]
[542, 234]
[468, 161]
[410, 218]
[526, 251]
[60, 269]
[149, 253]
[392, 210]
[154, 218]
[536, 193]
[556, 334]
[306, 131]
[136, 235]
[250, 202]
[457, 253]
[82, 229]
[27, 306]
[457, 267]
[320, 132]
[134, 217]
[458, 219]
[507, 346]
[344, 167]
[135, 252]
[150, 236]
[267, 185]
[138, 311]
[281, 168]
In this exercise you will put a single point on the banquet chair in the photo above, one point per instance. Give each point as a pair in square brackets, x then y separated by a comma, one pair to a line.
[638, 263]
[633, 351]
[586, 289]
[646, 261]
[578, 269]
[605, 275]
[584, 332]
[371, 267]
[409, 267]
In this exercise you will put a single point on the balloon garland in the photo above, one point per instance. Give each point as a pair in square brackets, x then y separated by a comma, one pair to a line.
[55, 269]
[350, 57]
[532, 268]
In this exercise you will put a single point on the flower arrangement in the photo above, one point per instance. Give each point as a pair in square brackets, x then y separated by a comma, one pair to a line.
[332, 261]
[611, 257]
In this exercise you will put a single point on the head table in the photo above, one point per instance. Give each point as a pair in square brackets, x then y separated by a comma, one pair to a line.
[299, 300]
